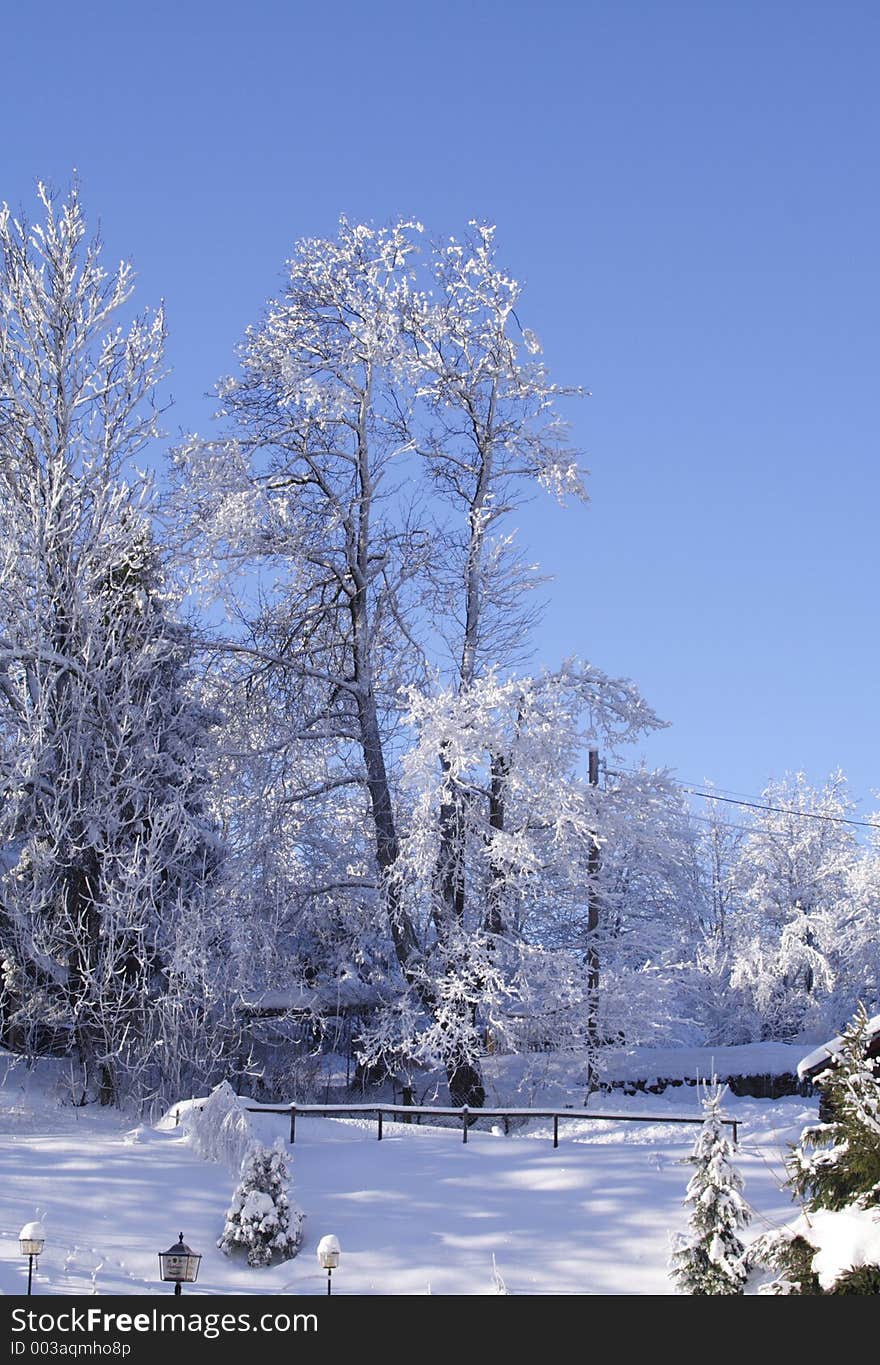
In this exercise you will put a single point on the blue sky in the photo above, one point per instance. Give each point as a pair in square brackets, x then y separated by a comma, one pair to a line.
[689, 191]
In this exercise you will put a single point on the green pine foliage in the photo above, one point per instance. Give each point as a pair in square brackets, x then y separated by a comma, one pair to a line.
[786, 1260]
[261, 1219]
[835, 1166]
[710, 1260]
[864, 1279]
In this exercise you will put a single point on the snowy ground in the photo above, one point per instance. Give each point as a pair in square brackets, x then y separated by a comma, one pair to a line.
[419, 1212]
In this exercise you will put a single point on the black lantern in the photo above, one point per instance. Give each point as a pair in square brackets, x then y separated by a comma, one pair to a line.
[180, 1264]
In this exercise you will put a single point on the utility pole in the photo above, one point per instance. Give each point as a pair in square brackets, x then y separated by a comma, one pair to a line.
[593, 866]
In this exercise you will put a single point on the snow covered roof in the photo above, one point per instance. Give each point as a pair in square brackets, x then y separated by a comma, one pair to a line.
[820, 1056]
[347, 993]
[296, 997]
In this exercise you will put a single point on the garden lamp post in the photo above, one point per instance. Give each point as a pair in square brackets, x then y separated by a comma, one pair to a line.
[31, 1240]
[329, 1252]
[179, 1264]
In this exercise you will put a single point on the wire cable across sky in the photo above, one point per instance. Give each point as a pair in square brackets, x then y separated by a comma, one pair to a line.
[760, 805]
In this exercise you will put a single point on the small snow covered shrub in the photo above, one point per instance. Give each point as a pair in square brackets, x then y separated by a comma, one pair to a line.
[710, 1260]
[220, 1128]
[834, 1247]
[261, 1217]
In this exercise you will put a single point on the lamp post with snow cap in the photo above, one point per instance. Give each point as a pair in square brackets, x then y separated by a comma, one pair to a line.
[329, 1252]
[179, 1264]
[31, 1240]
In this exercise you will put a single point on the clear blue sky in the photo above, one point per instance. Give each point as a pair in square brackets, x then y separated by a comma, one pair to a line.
[691, 193]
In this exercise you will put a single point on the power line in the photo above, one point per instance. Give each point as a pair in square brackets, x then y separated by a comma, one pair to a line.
[780, 810]
[715, 823]
[758, 805]
[726, 791]
[722, 824]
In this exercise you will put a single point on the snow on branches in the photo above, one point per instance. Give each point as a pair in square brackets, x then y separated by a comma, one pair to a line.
[103, 756]
[261, 1219]
[834, 1247]
[710, 1259]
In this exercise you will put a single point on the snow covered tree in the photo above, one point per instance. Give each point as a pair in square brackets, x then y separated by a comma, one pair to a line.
[838, 1162]
[649, 902]
[792, 881]
[104, 770]
[379, 431]
[710, 1260]
[788, 912]
[857, 960]
[409, 806]
[532, 872]
[718, 853]
[308, 492]
[834, 1248]
[488, 432]
[722, 1013]
[261, 1218]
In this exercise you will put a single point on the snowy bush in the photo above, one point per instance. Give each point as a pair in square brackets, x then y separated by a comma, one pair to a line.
[220, 1129]
[261, 1217]
[710, 1261]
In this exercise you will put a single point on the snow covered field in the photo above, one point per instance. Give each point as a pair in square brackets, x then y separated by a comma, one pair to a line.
[419, 1212]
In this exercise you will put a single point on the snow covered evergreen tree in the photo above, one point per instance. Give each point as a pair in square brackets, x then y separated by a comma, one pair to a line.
[710, 1260]
[834, 1248]
[261, 1218]
[104, 773]
[838, 1162]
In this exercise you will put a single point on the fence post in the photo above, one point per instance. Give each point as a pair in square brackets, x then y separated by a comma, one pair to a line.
[379, 1115]
[464, 1120]
[292, 1124]
[555, 1130]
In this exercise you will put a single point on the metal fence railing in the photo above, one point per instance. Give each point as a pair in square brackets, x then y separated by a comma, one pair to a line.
[468, 1117]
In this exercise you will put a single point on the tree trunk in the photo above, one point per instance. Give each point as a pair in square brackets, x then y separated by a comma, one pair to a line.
[465, 1085]
[449, 887]
[494, 920]
[403, 933]
[463, 1076]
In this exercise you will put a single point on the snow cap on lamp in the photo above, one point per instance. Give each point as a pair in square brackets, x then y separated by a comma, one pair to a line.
[31, 1239]
[329, 1252]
